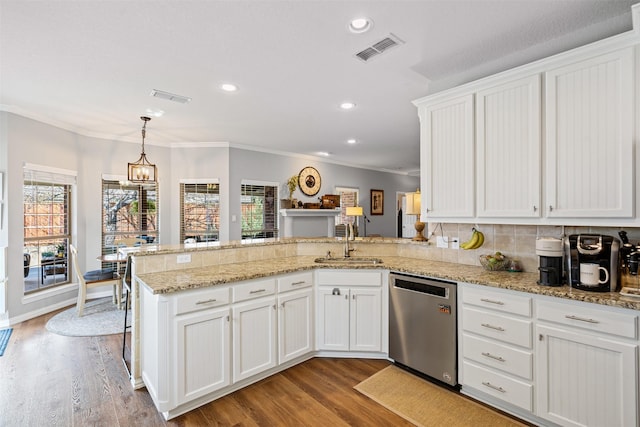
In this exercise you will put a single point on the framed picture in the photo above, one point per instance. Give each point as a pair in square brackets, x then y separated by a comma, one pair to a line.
[377, 202]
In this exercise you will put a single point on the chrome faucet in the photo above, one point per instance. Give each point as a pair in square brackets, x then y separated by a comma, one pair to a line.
[348, 231]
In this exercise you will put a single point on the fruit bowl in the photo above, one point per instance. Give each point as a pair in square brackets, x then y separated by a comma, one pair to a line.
[494, 263]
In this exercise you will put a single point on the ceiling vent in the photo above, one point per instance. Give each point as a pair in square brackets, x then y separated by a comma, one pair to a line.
[379, 47]
[170, 96]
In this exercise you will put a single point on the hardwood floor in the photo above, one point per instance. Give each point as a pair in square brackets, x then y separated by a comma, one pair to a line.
[52, 380]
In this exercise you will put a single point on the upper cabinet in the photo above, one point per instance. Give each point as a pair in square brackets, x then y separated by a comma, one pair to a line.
[538, 144]
[589, 137]
[446, 153]
[508, 149]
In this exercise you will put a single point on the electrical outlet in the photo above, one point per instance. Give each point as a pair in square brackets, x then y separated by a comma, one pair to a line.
[442, 241]
[183, 258]
[455, 243]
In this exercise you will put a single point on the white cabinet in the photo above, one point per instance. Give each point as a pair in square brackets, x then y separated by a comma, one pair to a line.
[508, 128]
[587, 372]
[295, 316]
[447, 158]
[254, 328]
[496, 345]
[203, 360]
[349, 311]
[589, 137]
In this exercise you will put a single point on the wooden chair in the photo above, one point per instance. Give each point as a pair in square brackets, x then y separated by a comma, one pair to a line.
[94, 278]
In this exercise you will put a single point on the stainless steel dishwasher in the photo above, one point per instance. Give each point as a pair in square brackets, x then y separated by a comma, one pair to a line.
[423, 326]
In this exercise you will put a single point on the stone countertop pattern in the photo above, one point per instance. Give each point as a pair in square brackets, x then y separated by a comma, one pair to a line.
[203, 277]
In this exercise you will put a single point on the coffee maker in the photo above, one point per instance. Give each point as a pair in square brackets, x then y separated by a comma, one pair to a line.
[592, 262]
[550, 251]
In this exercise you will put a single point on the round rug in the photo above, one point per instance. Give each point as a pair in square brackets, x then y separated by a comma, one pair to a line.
[101, 317]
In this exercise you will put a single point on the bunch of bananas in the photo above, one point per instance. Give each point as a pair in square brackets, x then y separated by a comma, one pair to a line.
[476, 240]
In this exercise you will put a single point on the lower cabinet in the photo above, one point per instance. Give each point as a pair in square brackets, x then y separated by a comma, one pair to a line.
[254, 337]
[295, 324]
[349, 316]
[198, 345]
[549, 360]
[203, 353]
[586, 378]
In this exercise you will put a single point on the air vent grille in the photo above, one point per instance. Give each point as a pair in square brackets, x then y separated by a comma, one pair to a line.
[379, 47]
[170, 96]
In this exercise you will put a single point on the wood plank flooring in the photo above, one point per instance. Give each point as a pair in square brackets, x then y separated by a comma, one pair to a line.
[53, 380]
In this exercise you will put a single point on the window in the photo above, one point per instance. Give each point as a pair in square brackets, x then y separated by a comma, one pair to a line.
[199, 212]
[259, 210]
[129, 210]
[47, 226]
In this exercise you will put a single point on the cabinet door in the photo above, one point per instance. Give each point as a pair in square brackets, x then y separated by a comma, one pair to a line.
[333, 318]
[295, 320]
[508, 148]
[254, 337]
[585, 380]
[589, 131]
[365, 319]
[203, 353]
[447, 157]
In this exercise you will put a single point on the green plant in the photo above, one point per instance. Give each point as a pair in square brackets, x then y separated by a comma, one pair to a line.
[292, 183]
[47, 254]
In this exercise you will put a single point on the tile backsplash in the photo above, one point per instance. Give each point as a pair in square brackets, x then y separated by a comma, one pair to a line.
[515, 241]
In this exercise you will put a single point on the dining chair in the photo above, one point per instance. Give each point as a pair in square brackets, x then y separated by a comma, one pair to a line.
[126, 284]
[94, 278]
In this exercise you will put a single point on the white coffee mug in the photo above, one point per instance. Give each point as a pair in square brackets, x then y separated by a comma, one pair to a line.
[590, 274]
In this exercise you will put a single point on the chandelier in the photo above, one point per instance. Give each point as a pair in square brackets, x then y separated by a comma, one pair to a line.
[142, 170]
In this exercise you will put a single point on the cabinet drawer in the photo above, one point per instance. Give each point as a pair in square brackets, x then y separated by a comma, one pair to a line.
[510, 390]
[350, 278]
[253, 289]
[500, 327]
[496, 355]
[295, 281]
[499, 301]
[588, 316]
[202, 299]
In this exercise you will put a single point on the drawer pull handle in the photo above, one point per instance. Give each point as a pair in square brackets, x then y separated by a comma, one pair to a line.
[582, 319]
[490, 301]
[495, 387]
[498, 358]
[207, 301]
[302, 282]
[496, 328]
[257, 291]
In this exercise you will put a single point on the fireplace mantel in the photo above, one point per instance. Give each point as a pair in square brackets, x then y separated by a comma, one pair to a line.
[309, 222]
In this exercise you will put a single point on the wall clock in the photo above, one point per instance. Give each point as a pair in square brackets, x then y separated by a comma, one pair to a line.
[309, 181]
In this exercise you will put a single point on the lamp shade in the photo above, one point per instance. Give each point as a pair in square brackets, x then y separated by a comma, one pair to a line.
[354, 211]
[413, 203]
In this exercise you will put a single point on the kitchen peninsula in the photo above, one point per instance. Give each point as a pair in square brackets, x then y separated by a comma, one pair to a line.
[184, 291]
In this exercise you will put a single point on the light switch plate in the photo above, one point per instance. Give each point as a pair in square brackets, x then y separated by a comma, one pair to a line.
[183, 258]
[455, 243]
[441, 242]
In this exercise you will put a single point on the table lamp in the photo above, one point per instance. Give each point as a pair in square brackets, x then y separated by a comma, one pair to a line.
[413, 208]
[353, 211]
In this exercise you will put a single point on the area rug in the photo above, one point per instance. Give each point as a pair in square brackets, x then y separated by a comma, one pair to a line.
[101, 317]
[4, 339]
[425, 404]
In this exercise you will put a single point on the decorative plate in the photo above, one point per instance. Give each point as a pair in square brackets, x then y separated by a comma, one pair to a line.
[309, 181]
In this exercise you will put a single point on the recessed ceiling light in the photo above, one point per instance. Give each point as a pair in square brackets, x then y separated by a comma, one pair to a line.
[323, 153]
[347, 105]
[351, 141]
[228, 87]
[360, 25]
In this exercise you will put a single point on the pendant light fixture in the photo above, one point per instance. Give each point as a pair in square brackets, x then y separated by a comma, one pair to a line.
[142, 170]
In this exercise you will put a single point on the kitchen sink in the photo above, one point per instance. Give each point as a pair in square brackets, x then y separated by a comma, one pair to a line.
[350, 260]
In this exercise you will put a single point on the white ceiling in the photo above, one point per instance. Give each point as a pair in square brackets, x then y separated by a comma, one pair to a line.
[89, 66]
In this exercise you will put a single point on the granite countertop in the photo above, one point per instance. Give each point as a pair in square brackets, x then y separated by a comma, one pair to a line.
[195, 278]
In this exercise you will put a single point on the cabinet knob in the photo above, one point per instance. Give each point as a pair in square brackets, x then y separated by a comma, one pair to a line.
[346, 296]
[535, 208]
[550, 208]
